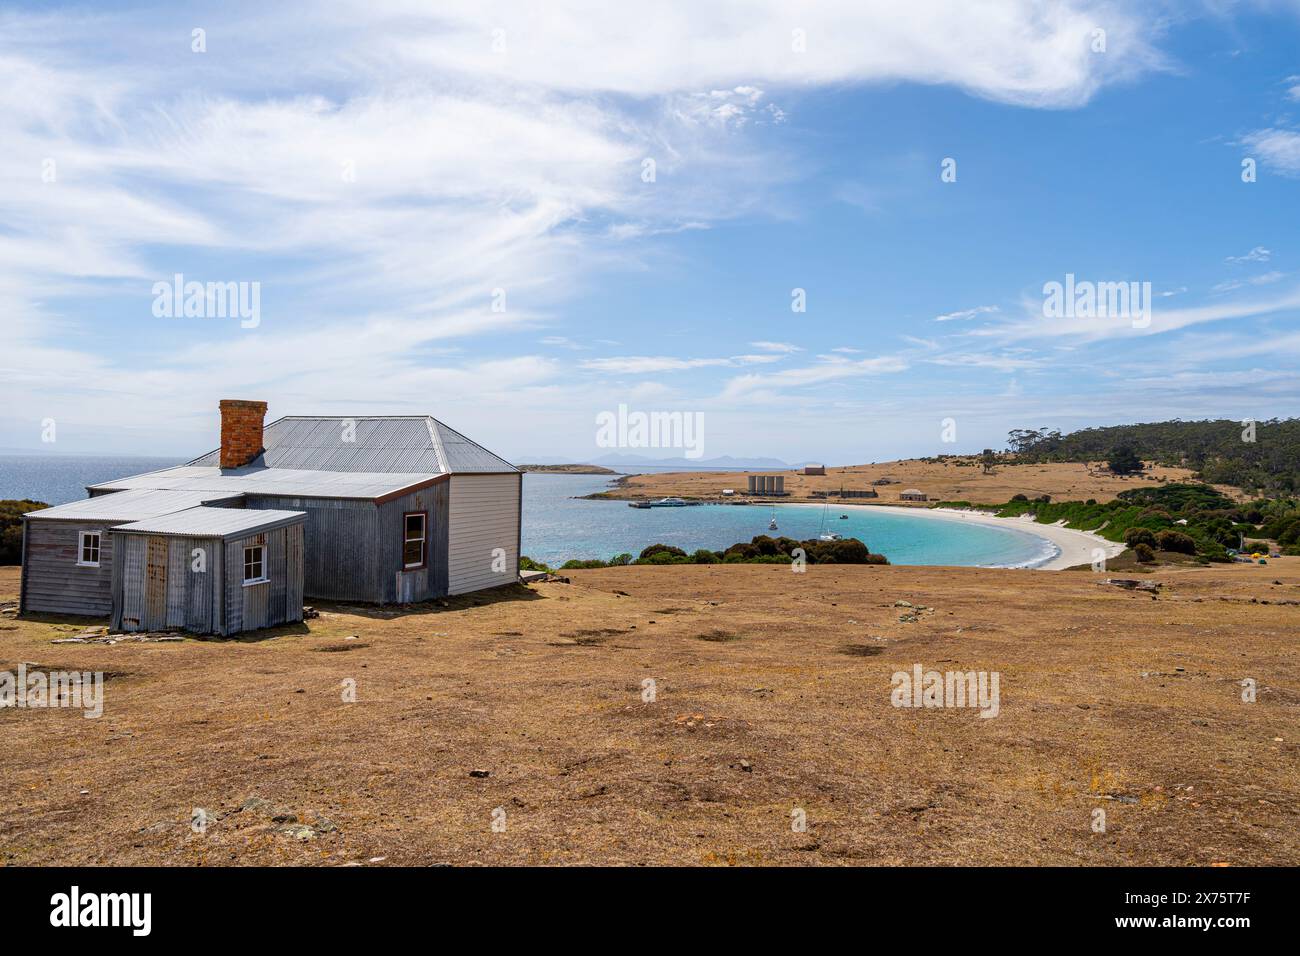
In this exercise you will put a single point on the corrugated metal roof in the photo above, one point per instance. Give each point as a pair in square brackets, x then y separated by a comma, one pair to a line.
[398, 444]
[132, 505]
[213, 522]
[282, 482]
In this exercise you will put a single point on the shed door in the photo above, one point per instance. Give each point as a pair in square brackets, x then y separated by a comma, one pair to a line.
[155, 584]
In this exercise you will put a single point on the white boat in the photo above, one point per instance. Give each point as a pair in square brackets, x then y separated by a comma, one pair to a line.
[771, 525]
[827, 535]
[670, 503]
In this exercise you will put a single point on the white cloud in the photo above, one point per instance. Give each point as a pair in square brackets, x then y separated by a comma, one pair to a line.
[783, 347]
[1257, 254]
[1267, 278]
[966, 313]
[829, 370]
[1277, 149]
[646, 364]
[381, 170]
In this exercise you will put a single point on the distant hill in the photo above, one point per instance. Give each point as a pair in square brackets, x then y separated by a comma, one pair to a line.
[724, 463]
[1220, 450]
[568, 469]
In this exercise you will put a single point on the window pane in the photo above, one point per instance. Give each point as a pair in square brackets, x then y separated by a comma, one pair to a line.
[414, 526]
[413, 553]
[253, 564]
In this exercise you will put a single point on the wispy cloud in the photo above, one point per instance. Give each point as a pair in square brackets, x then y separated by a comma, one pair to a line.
[1277, 149]
[967, 313]
[1257, 254]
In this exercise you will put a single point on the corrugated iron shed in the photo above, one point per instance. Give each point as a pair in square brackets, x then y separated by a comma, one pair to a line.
[213, 523]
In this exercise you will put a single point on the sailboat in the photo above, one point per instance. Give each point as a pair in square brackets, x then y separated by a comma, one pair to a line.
[771, 525]
[825, 534]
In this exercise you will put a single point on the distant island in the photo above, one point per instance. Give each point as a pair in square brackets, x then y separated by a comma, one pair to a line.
[569, 469]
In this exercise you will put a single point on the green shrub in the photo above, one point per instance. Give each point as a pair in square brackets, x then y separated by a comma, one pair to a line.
[1135, 536]
[11, 527]
[654, 549]
[1176, 541]
[1144, 554]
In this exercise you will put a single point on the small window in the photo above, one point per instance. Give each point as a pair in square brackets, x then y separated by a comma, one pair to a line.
[254, 568]
[88, 549]
[413, 543]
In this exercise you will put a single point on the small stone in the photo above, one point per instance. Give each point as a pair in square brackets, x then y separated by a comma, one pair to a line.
[480, 773]
[746, 766]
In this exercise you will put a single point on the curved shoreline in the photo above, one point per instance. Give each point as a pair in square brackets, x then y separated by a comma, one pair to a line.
[1072, 547]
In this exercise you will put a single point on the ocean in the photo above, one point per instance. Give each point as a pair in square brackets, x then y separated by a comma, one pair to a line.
[559, 524]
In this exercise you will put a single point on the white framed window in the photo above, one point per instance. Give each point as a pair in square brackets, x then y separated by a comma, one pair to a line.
[413, 542]
[255, 565]
[88, 549]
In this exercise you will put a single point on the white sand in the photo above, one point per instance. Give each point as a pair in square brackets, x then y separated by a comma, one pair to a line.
[1075, 547]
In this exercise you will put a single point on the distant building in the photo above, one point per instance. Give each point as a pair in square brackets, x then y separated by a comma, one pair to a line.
[814, 469]
[912, 494]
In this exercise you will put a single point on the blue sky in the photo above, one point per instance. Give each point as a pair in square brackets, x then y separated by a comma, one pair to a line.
[379, 171]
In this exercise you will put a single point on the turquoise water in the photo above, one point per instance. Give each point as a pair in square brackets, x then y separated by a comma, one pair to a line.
[557, 527]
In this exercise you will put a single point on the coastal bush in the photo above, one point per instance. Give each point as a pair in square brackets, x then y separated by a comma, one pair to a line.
[1176, 541]
[768, 550]
[11, 527]
[528, 564]
[1144, 554]
[654, 549]
[1135, 536]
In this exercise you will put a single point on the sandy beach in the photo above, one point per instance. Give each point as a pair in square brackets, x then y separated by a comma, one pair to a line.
[1073, 547]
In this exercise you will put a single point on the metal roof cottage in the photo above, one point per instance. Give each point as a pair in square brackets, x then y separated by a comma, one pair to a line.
[388, 508]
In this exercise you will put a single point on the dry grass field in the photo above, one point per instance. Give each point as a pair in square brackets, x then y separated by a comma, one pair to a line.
[955, 479]
[773, 695]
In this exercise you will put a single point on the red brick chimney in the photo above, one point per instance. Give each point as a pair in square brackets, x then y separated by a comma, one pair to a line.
[241, 431]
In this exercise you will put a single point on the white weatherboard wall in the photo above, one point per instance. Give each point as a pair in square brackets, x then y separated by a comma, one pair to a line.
[482, 515]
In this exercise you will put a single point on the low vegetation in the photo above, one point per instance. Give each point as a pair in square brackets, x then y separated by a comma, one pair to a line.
[11, 527]
[761, 550]
[1189, 519]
